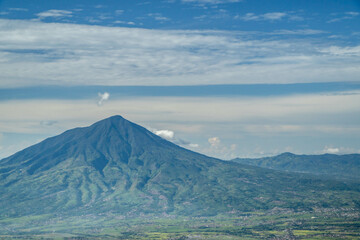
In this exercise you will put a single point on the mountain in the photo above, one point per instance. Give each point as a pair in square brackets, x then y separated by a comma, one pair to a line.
[331, 165]
[117, 167]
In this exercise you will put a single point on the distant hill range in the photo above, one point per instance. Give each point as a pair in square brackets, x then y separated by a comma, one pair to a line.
[330, 165]
[117, 168]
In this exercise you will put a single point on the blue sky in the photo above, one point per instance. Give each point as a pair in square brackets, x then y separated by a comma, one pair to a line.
[226, 78]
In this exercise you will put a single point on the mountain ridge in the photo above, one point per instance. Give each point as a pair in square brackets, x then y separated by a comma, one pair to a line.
[344, 166]
[116, 166]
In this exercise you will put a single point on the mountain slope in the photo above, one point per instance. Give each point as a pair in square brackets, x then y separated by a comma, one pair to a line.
[332, 165]
[117, 167]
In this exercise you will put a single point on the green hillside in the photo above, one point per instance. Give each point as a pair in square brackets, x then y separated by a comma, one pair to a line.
[115, 169]
[330, 165]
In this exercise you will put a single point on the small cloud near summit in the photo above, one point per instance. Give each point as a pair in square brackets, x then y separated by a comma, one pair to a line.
[167, 134]
[170, 136]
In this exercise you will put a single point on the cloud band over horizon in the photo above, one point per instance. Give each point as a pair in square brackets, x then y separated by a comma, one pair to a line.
[73, 54]
[247, 126]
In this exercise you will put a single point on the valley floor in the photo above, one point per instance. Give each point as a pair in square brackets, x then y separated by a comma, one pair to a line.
[275, 224]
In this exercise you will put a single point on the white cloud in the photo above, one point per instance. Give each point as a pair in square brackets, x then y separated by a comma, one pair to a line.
[346, 16]
[124, 22]
[331, 150]
[55, 13]
[158, 17]
[37, 53]
[250, 17]
[272, 16]
[342, 51]
[338, 150]
[353, 13]
[194, 145]
[170, 136]
[167, 134]
[214, 141]
[103, 97]
[219, 149]
[298, 32]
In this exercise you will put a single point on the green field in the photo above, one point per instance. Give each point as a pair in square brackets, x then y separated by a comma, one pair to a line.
[274, 224]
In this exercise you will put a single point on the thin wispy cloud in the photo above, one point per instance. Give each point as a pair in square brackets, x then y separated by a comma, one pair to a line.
[99, 6]
[54, 13]
[342, 51]
[354, 14]
[48, 122]
[345, 16]
[71, 54]
[211, 1]
[272, 16]
[119, 12]
[158, 17]
[19, 9]
[298, 32]
[124, 22]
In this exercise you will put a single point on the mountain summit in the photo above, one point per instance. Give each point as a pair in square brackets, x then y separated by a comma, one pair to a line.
[116, 166]
[108, 142]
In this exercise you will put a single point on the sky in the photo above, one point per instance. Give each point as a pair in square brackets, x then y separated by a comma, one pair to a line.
[227, 78]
